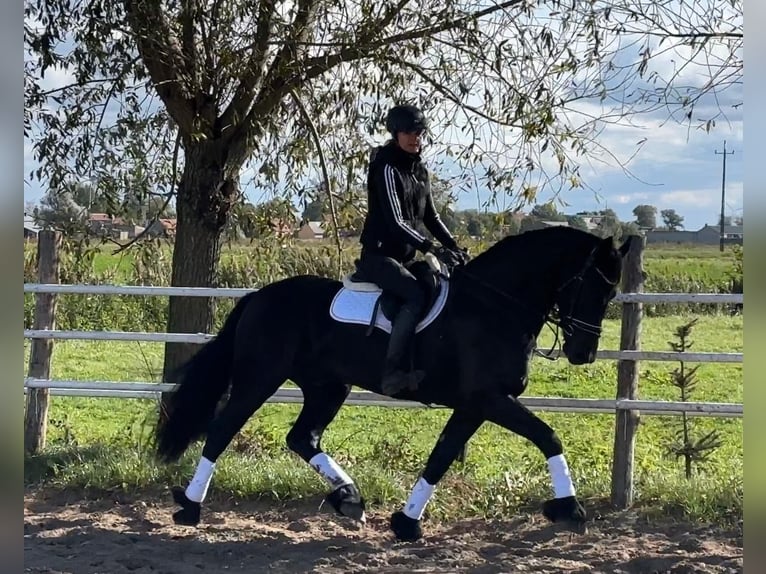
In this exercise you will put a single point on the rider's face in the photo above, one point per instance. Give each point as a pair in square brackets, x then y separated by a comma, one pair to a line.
[410, 142]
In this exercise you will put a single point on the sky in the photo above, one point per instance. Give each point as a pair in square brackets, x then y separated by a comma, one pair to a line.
[676, 167]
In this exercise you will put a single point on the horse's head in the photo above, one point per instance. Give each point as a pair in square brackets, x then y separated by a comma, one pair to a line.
[583, 297]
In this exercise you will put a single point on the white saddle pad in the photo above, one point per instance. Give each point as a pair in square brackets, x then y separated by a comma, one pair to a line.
[356, 307]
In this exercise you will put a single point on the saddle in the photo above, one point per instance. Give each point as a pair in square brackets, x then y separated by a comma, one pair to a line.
[427, 273]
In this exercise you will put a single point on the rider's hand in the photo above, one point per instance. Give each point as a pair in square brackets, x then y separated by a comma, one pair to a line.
[464, 255]
[447, 256]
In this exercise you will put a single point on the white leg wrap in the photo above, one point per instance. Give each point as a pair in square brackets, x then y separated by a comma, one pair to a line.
[419, 497]
[562, 481]
[197, 489]
[330, 470]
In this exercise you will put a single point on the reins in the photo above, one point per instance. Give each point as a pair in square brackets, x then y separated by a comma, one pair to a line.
[548, 318]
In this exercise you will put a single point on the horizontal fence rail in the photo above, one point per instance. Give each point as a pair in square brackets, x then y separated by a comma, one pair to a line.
[293, 395]
[205, 337]
[712, 298]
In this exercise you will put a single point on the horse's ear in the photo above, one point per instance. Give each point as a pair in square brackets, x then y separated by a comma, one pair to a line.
[625, 247]
[608, 243]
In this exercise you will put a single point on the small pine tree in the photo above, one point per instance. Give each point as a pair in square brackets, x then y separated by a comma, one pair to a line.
[736, 276]
[693, 450]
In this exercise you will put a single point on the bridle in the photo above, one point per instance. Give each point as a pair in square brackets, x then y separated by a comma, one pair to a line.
[567, 323]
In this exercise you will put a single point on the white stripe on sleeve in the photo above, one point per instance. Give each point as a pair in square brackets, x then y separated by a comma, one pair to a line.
[389, 177]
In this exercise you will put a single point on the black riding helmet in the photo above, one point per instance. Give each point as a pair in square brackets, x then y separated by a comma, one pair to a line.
[405, 119]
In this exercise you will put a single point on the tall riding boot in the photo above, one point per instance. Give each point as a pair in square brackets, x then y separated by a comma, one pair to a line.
[396, 376]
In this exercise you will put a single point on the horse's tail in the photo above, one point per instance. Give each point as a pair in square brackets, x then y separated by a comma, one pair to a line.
[201, 382]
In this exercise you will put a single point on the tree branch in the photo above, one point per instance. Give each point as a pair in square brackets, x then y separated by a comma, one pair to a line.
[311, 68]
[325, 175]
[290, 51]
[162, 56]
[320, 64]
[696, 35]
[189, 9]
[170, 194]
[209, 38]
[243, 97]
[448, 25]
[450, 94]
[380, 25]
[79, 85]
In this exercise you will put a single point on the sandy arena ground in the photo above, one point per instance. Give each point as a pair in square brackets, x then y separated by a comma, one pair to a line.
[121, 535]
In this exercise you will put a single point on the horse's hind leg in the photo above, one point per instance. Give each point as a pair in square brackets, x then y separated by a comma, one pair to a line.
[459, 428]
[320, 405]
[248, 393]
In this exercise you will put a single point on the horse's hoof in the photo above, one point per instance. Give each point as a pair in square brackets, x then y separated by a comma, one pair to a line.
[190, 511]
[568, 512]
[347, 501]
[405, 528]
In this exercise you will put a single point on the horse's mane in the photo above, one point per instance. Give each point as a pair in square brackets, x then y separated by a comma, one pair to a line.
[549, 241]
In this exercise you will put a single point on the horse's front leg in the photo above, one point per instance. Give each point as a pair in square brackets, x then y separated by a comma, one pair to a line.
[459, 428]
[509, 413]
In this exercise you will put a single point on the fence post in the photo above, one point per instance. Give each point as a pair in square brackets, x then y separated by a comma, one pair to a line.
[36, 413]
[626, 421]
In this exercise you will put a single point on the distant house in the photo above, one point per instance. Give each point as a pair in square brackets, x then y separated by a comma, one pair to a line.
[103, 224]
[310, 230]
[667, 236]
[706, 235]
[729, 231]
[126, 231]
[31, 229]
[100, 223]
[591, 221]
[532, 223]
[280, 228]
[162, 228]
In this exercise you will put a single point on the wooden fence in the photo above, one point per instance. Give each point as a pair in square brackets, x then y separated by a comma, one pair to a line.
[626, 406]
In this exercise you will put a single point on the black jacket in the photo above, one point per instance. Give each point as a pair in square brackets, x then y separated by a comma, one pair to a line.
[398, 199]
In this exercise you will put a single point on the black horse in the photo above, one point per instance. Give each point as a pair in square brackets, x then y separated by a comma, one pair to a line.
[475, 353]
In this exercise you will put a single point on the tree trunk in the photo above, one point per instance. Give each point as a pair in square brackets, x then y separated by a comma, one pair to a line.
[207, 190]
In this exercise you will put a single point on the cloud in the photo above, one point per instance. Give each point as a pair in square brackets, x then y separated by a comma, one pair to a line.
[688, 198]
[653, 149]
[670, 165]
[56, 77]
[626, 198]
[703, 197]
[28, 153]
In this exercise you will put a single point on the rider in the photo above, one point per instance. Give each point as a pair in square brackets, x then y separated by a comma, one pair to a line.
[399, 197]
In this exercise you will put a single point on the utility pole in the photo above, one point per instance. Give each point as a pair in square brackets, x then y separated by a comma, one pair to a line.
[724, 153]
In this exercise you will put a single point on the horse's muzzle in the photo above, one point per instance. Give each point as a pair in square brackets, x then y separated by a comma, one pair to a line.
[579, 356]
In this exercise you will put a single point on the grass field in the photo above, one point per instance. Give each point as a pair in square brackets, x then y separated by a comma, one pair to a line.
[660, 260]
[668, 268]
[102, 444]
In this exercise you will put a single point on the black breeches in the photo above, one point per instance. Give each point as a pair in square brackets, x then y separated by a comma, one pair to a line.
[392, 276]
